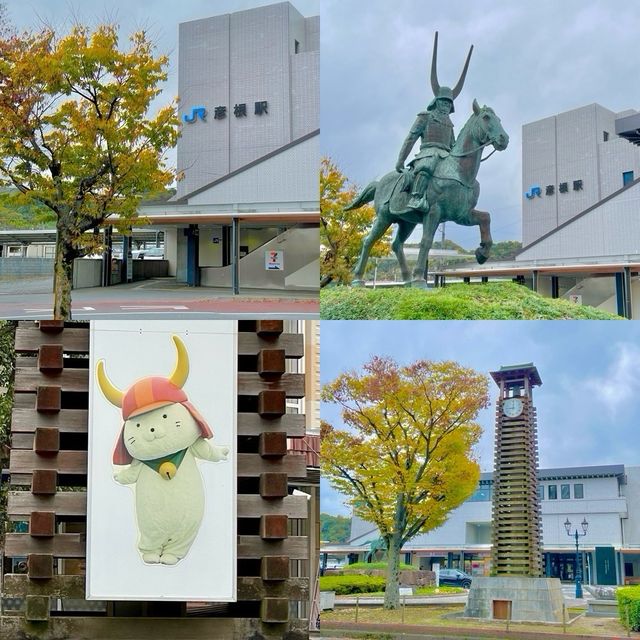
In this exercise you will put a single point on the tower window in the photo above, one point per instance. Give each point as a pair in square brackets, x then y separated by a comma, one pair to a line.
[605, 136]
[296, 46]
[627, 177]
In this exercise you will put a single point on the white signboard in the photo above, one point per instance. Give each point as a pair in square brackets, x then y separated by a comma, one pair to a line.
[274, 260]
[161, 521]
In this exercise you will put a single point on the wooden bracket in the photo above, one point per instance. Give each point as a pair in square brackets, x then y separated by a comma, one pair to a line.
[40, 566]
[44, 482]
[50, 358]
[37, 609]
[271, 363]
[273, 485]
[274, 568]
[273, 444]
[267, 328]
[274, 527]
[47, 441]
[42, 524]
[274, 610]
[49, 399]
[272, 403]
[51, 326]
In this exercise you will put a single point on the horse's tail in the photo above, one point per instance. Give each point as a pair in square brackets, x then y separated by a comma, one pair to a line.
[366, 195]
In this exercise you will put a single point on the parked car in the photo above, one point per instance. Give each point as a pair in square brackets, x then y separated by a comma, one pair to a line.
[455, 578]
[152, 253]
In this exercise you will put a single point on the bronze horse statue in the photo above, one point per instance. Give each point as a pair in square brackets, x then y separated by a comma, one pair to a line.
[452, 194]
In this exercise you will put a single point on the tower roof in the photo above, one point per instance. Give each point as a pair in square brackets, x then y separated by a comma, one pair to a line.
[518, 371]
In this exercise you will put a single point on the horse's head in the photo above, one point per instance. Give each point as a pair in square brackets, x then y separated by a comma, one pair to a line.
[489, 127]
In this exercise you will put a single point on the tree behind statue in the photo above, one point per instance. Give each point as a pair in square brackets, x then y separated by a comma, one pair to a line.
[341, 234]
[405, 459]
[75, 135]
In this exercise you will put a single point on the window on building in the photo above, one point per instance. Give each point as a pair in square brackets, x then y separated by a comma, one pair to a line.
[578, 491]
[540, 492]
[553, 492]
[481, 494]
[627, 177]
[605, 136]
[565, 491]
[296, 46]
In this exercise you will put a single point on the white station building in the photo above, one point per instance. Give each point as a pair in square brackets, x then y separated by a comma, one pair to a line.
[580, 224]
[608, 497]
[246, 211]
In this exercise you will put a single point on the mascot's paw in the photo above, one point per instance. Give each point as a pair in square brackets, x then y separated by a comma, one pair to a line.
[168, 558]
[151, 558]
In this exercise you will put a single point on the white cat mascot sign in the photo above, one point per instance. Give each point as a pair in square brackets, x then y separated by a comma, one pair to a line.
[156, 451]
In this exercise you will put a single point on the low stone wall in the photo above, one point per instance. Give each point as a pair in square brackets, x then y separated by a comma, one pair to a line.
[25, 267]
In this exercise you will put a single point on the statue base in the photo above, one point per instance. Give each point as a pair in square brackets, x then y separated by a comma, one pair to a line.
[521, 599]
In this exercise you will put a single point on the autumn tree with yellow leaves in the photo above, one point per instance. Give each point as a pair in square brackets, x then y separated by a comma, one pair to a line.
[404, 456]
[342, 232]
[76, 135]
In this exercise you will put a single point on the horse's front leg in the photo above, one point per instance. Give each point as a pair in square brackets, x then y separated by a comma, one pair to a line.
[404, 231]
[380, 225]
[483, 219]
[430, 223]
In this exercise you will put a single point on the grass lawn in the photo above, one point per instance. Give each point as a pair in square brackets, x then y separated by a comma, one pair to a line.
[435, 616]
[491, 301]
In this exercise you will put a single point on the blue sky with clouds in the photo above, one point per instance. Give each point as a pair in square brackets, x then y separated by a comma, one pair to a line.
[532, 59]
[588, 404]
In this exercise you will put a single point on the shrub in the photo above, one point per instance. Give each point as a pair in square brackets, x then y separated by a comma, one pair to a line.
[346, 585]
[629, 597]
[493, 301]
[370, 566]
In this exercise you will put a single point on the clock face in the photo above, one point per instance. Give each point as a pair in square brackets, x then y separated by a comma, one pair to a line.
[512, 407]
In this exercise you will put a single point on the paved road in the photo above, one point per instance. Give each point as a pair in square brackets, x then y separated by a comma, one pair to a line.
[32, 299]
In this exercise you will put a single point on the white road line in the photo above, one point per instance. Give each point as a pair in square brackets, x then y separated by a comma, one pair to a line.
[88, 309]
[145, 307]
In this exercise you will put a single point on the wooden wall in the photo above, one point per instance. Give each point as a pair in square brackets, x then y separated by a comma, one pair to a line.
[48, 467]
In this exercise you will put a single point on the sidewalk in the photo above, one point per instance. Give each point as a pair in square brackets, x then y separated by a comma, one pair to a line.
[408, 632]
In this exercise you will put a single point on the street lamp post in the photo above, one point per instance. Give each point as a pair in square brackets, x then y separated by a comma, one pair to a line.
[576, 535]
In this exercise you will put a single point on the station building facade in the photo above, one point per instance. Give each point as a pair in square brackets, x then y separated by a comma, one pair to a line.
[580, 228]
[246, 211]
[607, 496]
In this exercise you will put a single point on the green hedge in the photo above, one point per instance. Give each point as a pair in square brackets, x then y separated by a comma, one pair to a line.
[346, 585]
[492, 301]
[372, 566]
[629, 597]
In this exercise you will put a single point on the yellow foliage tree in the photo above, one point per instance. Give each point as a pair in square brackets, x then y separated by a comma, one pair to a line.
[405, 459]
[342, 232]
[75, 135]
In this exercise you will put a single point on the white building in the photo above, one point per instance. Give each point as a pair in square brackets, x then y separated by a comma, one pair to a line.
[580, 224]
[608, 497]
[246, 212]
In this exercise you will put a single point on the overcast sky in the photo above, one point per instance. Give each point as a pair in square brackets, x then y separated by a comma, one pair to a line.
[588, 404]
[531, 59]
[159, 18]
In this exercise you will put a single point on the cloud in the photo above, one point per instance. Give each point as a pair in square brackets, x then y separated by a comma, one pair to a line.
[620, 383]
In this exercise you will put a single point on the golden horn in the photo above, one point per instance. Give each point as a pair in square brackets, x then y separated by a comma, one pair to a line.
[111, 393]
[181, 370]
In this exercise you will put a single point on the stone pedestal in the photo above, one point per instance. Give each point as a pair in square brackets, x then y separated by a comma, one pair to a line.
[528, 599]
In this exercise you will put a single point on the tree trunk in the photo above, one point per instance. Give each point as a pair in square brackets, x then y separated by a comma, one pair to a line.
[63, 277]
[392, 589]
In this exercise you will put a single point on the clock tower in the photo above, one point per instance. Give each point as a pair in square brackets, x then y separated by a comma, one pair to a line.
[516, 588]
[516, 542]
